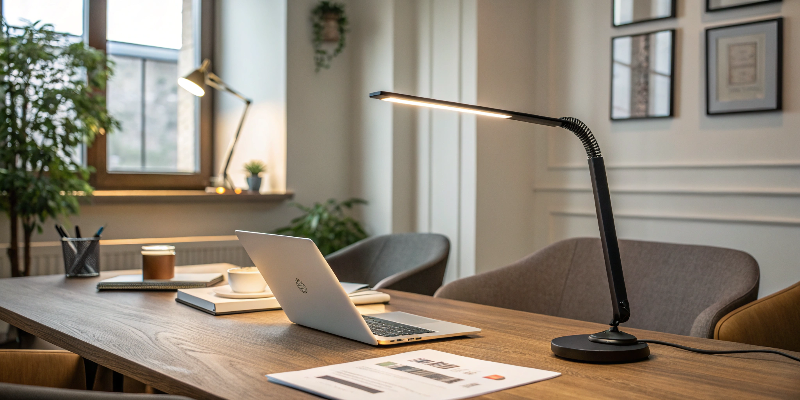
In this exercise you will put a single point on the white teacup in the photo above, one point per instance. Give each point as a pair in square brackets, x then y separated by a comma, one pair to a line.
[246, 280]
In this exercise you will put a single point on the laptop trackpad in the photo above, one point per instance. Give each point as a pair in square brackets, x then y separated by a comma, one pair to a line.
[405, 318]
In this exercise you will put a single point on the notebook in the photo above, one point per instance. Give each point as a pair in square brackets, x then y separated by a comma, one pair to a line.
[180, 281]
[205, 300]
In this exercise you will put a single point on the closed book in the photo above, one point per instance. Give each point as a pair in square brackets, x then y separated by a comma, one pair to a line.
[180, 281]
[205, 299]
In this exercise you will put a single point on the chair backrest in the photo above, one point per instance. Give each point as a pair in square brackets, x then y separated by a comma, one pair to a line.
[772, 321]
[411, 262]
[674, 288]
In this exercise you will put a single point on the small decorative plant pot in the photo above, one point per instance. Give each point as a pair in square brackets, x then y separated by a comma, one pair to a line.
[254, 183]
[330, 24]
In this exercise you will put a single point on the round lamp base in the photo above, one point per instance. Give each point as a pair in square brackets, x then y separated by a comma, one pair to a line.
[580, 348]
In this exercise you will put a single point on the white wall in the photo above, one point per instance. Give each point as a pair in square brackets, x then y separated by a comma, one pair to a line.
[250, 56]
[509, 56]
[446, 143]
[319, 114]
[730, 181]
[371, 48]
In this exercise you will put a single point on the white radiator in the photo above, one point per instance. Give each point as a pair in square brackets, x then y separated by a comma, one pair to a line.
[46, 257]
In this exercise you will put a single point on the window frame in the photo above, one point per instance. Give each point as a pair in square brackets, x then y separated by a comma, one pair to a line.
[96, 153]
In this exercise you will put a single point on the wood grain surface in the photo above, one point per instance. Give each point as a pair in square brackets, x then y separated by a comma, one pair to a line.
[149, 336]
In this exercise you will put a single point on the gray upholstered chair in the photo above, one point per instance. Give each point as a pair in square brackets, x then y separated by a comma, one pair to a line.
[411, 262]
[672, 288]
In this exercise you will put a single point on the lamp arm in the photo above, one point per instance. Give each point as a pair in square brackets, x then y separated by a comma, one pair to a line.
[605, 220]
[225, 177]
[214, 81]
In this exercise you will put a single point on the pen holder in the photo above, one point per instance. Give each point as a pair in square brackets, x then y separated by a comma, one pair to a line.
[81, 256]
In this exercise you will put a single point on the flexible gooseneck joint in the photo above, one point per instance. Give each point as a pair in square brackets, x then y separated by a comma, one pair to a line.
[605, 220]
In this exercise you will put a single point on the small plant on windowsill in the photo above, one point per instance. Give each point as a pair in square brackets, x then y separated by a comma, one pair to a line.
[52, 105]
[327, 224]
[330, 25]
[254, 170]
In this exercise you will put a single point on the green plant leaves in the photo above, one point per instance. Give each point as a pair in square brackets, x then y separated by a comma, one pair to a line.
[52, 104]
[323, 58]
[327, 224]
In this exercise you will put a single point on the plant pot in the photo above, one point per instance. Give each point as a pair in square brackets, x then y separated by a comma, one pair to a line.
[253, 183]
[330, 27]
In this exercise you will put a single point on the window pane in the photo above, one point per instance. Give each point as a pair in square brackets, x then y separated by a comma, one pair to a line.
[161, 116]
[147, 22]
[65, 15]
[159, 132]
[124, 96]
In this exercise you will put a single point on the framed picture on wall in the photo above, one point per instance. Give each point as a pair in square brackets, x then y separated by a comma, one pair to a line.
[627, 12]
[642, 75]
[719, 5]
[744, 70]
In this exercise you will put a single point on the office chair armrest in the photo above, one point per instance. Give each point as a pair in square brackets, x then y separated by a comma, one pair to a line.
[51, 368]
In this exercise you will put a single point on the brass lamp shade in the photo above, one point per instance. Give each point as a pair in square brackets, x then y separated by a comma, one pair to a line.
[194, 82]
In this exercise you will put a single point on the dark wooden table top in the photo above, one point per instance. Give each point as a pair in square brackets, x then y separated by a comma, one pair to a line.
[180, 350]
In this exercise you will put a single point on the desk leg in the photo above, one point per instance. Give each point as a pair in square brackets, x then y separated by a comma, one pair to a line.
[117, 381]
[91, 373]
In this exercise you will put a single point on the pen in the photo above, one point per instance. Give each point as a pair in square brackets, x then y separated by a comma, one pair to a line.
[63, 233]
[99, 231]
[77, 231]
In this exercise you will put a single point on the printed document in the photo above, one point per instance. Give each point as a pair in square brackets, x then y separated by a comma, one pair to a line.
[422, 374]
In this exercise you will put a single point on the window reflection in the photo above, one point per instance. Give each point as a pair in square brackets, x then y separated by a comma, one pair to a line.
[642, 76]
[632, 11]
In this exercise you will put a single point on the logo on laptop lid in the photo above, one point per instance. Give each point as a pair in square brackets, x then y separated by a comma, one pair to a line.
[301, 285]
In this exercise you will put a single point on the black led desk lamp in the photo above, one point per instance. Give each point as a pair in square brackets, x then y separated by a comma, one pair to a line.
[611, 345]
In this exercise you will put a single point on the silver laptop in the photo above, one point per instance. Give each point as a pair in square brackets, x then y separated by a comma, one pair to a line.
[310, 294]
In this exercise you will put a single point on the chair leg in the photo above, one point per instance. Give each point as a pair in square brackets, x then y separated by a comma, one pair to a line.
[117, 381]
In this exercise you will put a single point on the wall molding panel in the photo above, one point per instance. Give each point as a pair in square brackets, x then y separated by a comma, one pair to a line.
[686, 217]
[677, 191]
[692, 165]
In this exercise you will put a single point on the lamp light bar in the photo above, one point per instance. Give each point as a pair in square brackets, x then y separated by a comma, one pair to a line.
[443, 107]
[467, 108]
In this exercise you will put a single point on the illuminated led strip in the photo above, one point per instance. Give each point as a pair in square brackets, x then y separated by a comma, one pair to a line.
[443, 107]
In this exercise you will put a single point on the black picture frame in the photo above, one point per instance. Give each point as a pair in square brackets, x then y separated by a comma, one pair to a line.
[735, 107]
[750, 4]
[673, 14]
[671, 113]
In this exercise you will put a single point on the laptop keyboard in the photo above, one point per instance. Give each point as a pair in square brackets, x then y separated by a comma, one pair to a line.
[385, 328]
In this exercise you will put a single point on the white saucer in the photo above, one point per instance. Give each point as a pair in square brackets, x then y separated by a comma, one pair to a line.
[227, 292]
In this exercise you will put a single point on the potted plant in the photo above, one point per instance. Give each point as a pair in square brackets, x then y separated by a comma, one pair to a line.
[254, 168]
[330, 25]
[52, 106]
[327, 225]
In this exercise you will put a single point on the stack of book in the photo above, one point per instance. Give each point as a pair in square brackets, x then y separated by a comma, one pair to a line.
[205, 299]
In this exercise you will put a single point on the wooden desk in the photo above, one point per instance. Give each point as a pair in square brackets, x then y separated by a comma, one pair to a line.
[180, 350]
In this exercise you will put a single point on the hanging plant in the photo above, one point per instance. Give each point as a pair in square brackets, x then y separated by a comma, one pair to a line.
[330, 26]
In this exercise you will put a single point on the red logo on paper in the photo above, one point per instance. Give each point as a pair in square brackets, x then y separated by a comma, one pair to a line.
[495, 377]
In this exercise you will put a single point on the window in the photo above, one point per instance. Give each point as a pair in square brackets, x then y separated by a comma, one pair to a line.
[165, 138]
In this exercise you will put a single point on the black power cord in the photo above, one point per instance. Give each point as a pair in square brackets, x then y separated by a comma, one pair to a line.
[701, 351]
